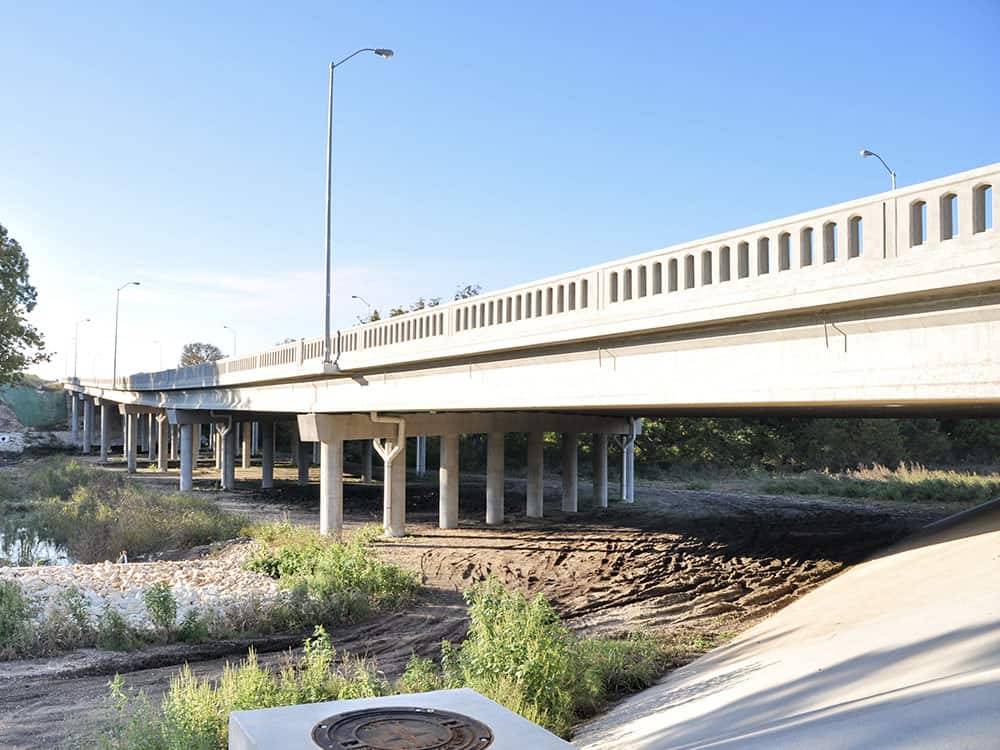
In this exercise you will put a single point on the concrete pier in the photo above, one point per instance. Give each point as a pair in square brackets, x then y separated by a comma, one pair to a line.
[494, 478]
[187, 465]
[331, 487]
[536, 484]
[448, 481]
[570, 495]
[266, 454]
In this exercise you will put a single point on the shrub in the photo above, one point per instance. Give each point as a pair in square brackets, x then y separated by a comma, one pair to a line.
[16, 632]
[161, 606]
[194, 628]
[114, 634]
[346, 580]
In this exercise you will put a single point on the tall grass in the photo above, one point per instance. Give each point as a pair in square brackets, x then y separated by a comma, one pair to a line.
[96, 514]
[347, 578]
[908, 483]
[517, 653]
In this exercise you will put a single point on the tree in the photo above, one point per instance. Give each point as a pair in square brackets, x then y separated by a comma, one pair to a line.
[420, 304]
[469, 290]
[21, 345]
[371, 317]
[198, 352]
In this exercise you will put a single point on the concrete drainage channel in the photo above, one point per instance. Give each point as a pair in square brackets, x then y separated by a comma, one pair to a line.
[440, 720]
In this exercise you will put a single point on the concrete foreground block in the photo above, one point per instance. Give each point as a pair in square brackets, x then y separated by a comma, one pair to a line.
[290, 727]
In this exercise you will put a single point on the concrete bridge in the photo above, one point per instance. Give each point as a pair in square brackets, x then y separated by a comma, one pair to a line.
[884, 305]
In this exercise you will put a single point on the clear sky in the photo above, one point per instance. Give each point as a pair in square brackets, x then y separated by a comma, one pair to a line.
[183, 144]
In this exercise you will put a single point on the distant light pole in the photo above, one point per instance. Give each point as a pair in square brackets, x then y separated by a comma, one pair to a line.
[76, 343]
[381, 52]
[362, 299]
[866, 153]
[232, 331]
[114, 358]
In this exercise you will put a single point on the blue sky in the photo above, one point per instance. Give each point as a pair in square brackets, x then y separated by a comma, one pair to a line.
[182, 145]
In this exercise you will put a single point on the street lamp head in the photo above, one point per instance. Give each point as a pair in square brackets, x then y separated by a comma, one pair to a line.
[866, 152]
[386, 53]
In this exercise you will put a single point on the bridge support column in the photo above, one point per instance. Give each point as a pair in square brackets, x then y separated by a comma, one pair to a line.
[74, 417]
[630, 466]
[448, 481]
[304, 451]
[267, 454]
[366, 463]
[131, 441]
[421, 458]
[393, 453]
[295, 444]
[494, 478]
[600, 469]
[88, 424]
[255, 438]
[187, 465]
[105, 430]
[162, 442]
[570, 498]
[151, 437]
[331, 487]
[536, 482]
[315, 453]
[247, 429]
[173, 442]
[227, 442]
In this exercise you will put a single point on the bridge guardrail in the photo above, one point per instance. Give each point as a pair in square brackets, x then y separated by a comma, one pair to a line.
[826, 248]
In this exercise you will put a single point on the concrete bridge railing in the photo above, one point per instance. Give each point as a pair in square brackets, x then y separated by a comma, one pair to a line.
[937, 234]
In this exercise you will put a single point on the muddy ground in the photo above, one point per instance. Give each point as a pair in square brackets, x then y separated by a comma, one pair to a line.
[691, 562]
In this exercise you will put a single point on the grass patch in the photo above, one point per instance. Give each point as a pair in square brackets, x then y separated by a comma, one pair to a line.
[337, 581]
[908, 483]
[96, 514]
[517, 652]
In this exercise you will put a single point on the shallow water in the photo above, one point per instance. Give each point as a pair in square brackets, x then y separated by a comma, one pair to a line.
[21, 545]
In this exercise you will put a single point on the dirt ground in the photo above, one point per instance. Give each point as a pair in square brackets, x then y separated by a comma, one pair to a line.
[697, 562]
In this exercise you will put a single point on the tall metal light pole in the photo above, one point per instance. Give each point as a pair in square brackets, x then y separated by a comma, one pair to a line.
[866, 153]
[232, 331]
[381, 52]
[76, 343]
[367, 303]
[114, 358]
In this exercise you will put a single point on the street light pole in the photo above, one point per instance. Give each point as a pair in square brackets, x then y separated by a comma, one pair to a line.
[866, 153]
[386, 53]
[114, 358]
[366, 302]
[232, 331]
[76, 343]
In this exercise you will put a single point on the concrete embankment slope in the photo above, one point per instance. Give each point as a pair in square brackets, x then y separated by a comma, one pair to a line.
[902, 651]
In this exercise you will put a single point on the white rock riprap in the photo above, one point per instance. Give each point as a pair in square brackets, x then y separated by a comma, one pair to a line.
[206, 584]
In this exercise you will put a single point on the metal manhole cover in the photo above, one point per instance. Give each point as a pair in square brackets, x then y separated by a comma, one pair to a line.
[401, 729]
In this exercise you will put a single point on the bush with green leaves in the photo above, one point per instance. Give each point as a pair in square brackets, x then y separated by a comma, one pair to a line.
[161, 606]
[16, 631]
[347, 580]
[195, 712]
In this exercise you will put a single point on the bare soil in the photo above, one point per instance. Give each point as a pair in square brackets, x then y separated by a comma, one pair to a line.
[678, 561]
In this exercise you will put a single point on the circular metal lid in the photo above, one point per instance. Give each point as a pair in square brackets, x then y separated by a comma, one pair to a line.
[401, 728]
